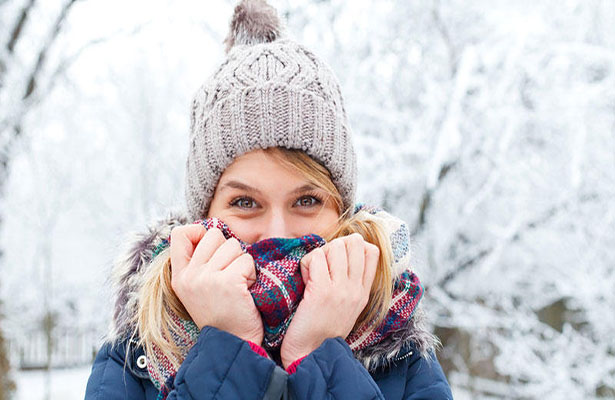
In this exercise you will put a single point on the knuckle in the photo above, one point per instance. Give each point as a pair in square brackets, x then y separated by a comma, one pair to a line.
[337, 243]
[319, 252]
[245, 259]
[226, 243]
[177, 231]
[233, 243]
[174, 230]
[215, 234]
[214, 231]
[373, 249]
[356, 238]
[306, 259]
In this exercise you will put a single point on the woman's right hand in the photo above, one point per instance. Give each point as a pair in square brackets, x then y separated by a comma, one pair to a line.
[211, 276]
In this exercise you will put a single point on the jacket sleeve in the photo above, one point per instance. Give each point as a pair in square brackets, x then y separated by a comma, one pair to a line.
[222, 366]
[332, 372]
[425, 379]
[111, 378]
[218, 366]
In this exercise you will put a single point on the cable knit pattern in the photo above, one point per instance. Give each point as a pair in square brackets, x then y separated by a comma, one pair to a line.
[276, 94]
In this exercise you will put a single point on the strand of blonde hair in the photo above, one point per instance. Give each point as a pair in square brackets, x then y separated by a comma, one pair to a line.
[158, 302]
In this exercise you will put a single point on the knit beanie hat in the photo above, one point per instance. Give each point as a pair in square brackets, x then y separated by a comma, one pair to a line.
[270, 92]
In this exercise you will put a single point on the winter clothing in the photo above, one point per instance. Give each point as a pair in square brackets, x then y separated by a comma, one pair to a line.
[220, 365]
[276, 292]
[279, 289]
[270, 92]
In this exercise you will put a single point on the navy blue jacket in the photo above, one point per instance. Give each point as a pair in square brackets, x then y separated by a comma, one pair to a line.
[222, 366]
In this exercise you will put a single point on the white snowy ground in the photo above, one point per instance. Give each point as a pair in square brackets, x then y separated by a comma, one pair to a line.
[66, 384]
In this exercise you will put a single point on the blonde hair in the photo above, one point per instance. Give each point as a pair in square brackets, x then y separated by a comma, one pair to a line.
[157, 301]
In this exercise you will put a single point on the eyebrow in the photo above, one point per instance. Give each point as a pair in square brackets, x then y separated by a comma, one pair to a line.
[242, 186]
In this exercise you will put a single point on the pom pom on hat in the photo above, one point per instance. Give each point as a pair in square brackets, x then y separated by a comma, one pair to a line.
[269, 92]
[254, 21]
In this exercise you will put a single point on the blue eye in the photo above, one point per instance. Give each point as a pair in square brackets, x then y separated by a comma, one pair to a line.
[243, 202]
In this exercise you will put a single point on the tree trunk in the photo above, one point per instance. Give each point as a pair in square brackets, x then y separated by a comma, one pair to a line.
[7, 386]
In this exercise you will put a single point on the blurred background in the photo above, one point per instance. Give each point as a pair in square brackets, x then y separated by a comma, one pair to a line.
[488, 125]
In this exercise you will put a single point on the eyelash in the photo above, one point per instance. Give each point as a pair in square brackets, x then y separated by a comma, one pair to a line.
[235, 202]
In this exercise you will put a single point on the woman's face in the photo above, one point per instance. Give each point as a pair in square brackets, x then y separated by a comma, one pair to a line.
[258, 197]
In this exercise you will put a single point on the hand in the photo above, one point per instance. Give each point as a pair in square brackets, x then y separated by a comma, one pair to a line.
[211, 276]
[338, 278]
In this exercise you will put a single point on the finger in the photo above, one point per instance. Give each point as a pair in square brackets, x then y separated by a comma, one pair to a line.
[355, 251]
[304, 265]
[225, 254]
[335, 251]
[211, 241]
[184, 239]
[317, 268]
[372, 256]
[244, 266]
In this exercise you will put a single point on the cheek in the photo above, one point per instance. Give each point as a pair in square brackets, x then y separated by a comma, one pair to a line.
[239, 227]
[325, 222]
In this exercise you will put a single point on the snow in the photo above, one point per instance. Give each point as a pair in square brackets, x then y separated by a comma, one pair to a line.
[494, 118]
[66, 384]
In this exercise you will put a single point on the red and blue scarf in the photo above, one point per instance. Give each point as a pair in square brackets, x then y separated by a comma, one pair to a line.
[279, 289]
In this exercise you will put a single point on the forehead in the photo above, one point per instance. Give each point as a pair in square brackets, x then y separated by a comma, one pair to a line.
[258, 169]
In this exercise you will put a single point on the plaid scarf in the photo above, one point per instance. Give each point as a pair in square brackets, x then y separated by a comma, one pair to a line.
[279, 289]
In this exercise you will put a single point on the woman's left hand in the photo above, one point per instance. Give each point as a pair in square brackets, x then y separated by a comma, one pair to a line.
[338, 278]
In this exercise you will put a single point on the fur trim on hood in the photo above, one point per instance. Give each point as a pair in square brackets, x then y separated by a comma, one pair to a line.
[127, 277]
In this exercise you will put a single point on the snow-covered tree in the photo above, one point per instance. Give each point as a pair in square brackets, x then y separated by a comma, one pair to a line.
[488, 126]
[98, 159]
[494, 126]
[24, 52]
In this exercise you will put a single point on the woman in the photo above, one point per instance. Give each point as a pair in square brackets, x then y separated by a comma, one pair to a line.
[282, 288]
